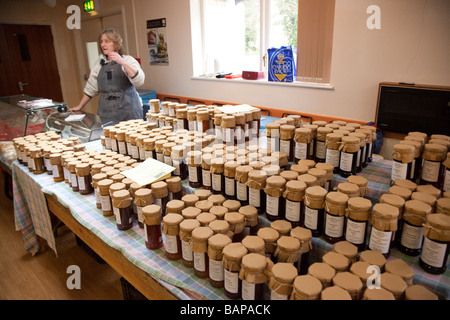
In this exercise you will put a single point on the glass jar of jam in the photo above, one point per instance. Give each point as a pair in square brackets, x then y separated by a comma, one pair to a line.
[435, 249]
[239, 131]
[202, 119]
[314, 209]
[171, 231]
[253, 275]
[306, 287]
[281, 280]
[322, 271]
[167, 152]
[302, 142]
[149, 148]
[186, 228]
[95, 180]
[199, 245]
[273, 136]
[321, 137]
[282, 226]
[181, 116]
[206, 173]
[175, 188]
[228, 130]
[154, 106]
[294, 195]
[218, 126]
[402, 164]
[332, 154]
[357, 215]
[216, 244]
[83, 173]
[105, 196]
[194, 161]
[159, 149]
[287, 250]
[384, 221]
[219, 211]
[37, 160]
[256, 183]
[350, 283]
[270, 237]
[349, 156]
[394, 199]
[241, 177]
[121, 201]
[237, 224]
[192, 119]
[432, 169]
[305, 237]
[121, 143]
[57, 169]
[443, 206]
[349, 188]
[335, 207]
[229, 173]
[202, 194]
[142, 198]
[446, 175]
[287, 140]
[256, 122]
[152, 226]
[160, 194]
[251, 217]
[217, 175]
[178, 159]
[275, 206]
[320, 175]
[411, 233]
[232, 257]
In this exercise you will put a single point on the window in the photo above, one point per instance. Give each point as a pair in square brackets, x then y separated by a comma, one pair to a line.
[235, 34]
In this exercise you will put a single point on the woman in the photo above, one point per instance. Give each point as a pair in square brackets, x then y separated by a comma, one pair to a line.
[115, 77]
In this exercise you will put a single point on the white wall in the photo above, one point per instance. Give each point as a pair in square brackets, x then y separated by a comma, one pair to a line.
[411, 46]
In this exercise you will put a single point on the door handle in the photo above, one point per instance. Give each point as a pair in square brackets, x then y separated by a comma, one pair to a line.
[21, 84]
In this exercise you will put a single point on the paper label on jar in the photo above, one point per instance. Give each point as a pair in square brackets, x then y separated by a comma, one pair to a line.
[206, 178]
[192, 125]
[81, 183]
[334, 225]
[74, 180]
[171, 244]
[216, 270]
[107, 143]
[272, 204]
[97, 195]
[199, 126]
[411, 236]
[254, 197]
[134, 152]
[228, 135]
[55, 171]
[186, 251]
[380, 240]
[157, 201]
[241, 191]
[399, 171]
[430, 170]
[246, 130]
[358, 158]
[193, 174]
[47, 164]
[239, 133]
[285, 146]
[66, 174]
[273, 144]
[199, 261]
[176, 165]
[180, 124]
[320, 149]
[229, 186]
[248, 290]
[332, 157]
[116, 212]
[168, 160]
[148, 154]
[255, 127]
[216, 181]
[311, 218]
[355, 232]
[433, 253]
[231, 281]
[346, 161]
[277, 296]
[122, 147]
[106, 203]
[114, 145]
[160, 156]
[139, 214]
[446, 186]
[292, 210]
[301, 150]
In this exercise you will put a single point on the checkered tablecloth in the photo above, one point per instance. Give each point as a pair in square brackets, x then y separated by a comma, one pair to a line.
[131, 243]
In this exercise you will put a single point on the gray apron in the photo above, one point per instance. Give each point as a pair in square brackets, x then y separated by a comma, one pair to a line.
[119, 100]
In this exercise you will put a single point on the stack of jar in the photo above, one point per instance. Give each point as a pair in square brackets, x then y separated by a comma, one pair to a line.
[348, 147]
[423, 159]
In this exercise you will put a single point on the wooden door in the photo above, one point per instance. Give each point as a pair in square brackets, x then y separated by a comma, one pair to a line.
[28, 62]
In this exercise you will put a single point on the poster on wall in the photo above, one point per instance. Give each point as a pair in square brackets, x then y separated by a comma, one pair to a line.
[157, 42]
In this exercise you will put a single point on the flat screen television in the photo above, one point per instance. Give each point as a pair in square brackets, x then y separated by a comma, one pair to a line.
[404, 108]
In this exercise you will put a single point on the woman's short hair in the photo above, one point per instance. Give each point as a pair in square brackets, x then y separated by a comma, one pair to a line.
[115, 37]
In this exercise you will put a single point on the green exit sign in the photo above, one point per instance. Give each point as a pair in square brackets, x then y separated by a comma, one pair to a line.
[88, 6]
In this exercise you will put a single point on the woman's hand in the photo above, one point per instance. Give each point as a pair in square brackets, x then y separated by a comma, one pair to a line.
[114, 56]
[76, 108]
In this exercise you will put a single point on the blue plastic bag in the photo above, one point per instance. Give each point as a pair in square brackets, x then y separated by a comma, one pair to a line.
[281, 67]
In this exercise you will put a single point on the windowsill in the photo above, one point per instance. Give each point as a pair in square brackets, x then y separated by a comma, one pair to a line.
[326, 86]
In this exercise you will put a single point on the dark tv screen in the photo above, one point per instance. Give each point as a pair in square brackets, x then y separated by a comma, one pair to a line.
[406, 109]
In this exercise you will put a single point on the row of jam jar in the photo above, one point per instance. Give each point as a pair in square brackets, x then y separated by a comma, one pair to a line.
[349, 147]
[423, 160]
[230, 128]
[244, 268]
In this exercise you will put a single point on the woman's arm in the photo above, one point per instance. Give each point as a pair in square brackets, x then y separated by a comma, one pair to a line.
[131, 68]
[84, 100]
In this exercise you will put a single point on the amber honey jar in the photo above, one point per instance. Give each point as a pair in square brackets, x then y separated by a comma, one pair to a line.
[121, 201]
[142, 198]
[83, 172]
[152, 226]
